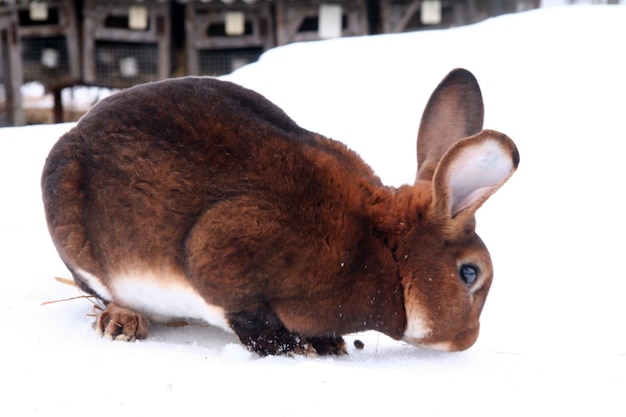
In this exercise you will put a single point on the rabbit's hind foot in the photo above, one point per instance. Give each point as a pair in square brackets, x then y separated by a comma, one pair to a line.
[119, 323]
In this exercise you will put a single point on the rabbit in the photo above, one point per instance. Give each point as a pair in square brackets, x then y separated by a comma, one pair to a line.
[197, 198]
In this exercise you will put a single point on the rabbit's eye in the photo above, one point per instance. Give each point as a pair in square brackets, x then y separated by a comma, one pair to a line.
[468, 273]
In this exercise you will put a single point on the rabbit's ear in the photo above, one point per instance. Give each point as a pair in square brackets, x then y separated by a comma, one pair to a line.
[471, 171]
[454, 111]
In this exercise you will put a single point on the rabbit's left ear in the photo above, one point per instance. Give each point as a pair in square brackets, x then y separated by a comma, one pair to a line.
[454, 111]
[470, 172]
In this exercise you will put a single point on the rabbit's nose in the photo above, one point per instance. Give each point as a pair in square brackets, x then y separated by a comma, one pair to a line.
[464, 340]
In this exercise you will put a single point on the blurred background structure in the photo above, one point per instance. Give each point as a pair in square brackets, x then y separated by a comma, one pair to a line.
[59, 45]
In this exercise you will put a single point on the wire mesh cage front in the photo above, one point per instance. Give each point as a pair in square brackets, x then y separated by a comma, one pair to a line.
[49, 42]
[400, 16]
[408, 15]
[319, 19]
[223, 36]
[123, 64]
[220, 62]
[45, 60]
[125, 42]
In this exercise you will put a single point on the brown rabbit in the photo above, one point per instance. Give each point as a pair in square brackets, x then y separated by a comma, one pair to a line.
[197, 198]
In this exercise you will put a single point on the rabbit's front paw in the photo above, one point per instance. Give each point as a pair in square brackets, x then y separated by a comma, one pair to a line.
[119, 323]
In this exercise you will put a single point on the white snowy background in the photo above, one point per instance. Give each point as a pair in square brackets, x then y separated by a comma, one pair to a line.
[553, 338]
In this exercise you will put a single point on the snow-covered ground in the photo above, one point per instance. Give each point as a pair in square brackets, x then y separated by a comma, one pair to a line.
[553, 338]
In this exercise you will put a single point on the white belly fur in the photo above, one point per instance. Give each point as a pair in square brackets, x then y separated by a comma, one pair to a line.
[160, 296]
[94, 283]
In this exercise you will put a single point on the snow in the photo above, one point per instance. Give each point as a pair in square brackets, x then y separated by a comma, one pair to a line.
[34, 95]
[553, 336]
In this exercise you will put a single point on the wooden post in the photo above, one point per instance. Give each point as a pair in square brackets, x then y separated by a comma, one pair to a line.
[11, 65]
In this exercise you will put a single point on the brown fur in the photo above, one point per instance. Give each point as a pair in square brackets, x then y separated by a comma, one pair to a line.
[290, 233]
[122, 324]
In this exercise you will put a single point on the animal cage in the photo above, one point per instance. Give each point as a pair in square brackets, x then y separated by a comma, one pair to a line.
[49, 41]
[407, 15]
[221, 36]
[308, 20]
[11, 112]
[126, 42]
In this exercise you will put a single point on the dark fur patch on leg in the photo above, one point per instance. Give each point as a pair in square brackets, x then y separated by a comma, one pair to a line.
[265, 334]
[328, 345]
